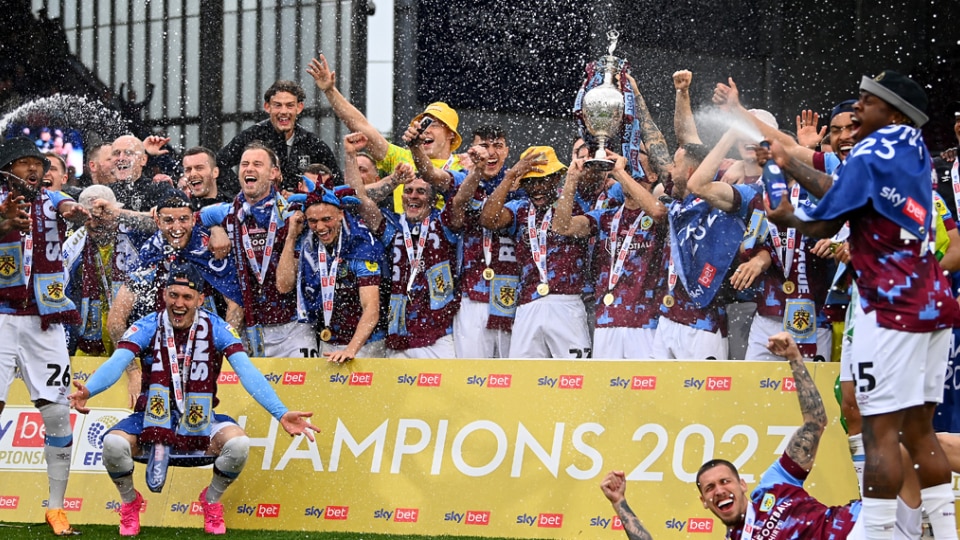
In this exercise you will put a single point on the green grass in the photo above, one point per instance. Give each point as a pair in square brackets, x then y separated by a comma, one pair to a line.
[28, 531]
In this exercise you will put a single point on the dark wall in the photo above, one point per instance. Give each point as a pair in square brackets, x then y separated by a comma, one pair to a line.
[521, 62]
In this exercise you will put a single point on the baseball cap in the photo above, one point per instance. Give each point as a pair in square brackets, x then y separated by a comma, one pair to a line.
[185, 274]
[842, 107]
[449, 117]
[21, 147]
[97, 191]
[552, 166]
[901, 92]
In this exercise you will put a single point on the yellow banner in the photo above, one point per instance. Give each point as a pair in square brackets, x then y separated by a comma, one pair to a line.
[463, 447]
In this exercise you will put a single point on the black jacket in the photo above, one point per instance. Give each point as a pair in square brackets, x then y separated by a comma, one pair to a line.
[307, 148]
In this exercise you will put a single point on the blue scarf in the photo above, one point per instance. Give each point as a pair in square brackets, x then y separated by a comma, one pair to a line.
[221, 274]
[703, 244]
[890, 170]
[630, 136]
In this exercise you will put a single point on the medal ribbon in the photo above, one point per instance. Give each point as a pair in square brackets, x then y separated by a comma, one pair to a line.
[617, 256]
[786, 252]
[538, 240]
[171, 344]
[259, 268]
[328, 278]
[487, 247]
[414, 258]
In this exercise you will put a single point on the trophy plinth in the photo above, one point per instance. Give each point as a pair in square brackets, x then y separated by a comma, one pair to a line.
[603, 108]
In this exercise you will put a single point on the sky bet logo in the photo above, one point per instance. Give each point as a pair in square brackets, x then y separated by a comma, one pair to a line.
[542, 520]
[260, 510]
[228, 377]
[423, 379]
[710, 383]
[614, 523]
[193, 508]
[354, 379]
[493, 380]
[337, 513]
[70, 504]
[114, 506]
[637, 382]
[472, 517]
[566, 382]
[288, 377]
[9, 502]
[399, 515]
[29, 431]
[693, 525]
[786, 385]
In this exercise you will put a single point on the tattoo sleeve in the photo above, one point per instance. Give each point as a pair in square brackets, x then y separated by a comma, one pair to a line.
[657, 149]
[814, 181]
[802, 447]
[631, 524]
[380, 191]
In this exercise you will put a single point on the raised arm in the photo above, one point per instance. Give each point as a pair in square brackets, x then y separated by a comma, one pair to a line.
[814, 181]
[614, 487]
[633, 190]
[564, 222]
[657, 148]
[717, 194]
[493, 216]
[435, 176]
[287, 265]
[683, 124]
[802, 447]
[458, 205]
[119, 312]
[369, 211]
[345, 111]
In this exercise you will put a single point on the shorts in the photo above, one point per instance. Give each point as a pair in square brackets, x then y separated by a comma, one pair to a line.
[621, 343]
[442, 349]
[290, 340]
[471, 336]
[133, 425]
[40, 357]
[896, 370]
[764, 326]
[674, 340]
[553, 326]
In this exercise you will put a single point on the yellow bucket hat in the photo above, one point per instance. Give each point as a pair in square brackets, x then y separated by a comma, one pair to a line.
[449, 117]
[553, 164]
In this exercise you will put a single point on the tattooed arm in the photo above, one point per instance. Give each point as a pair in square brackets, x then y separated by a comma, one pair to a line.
[660, 157]
[802, 447]
[614, 487]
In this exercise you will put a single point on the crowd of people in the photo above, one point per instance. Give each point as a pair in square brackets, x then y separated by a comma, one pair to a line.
[441, 247]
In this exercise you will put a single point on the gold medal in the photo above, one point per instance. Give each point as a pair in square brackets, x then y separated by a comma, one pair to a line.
[326, 334]
[488, 274]
[789, 287]
[668, 300]
[543, 289]
[608, 299]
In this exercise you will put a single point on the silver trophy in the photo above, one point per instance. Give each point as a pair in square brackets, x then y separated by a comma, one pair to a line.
[603, 106]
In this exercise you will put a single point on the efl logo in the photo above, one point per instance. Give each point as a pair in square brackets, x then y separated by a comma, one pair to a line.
[9, 502]
[338, 513]
[406, 515]
[550, 521]
[616, 524]
[499, 380]
[476, 517]
[706, 276]
[361, 379]
[789, 385]
[295, 378]
[428, 379]
[572, 382]
[914, 211]
[700, 525]
[268, 510]
[228, 377]
[30, 432]
[719, 383]
[643, 382]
